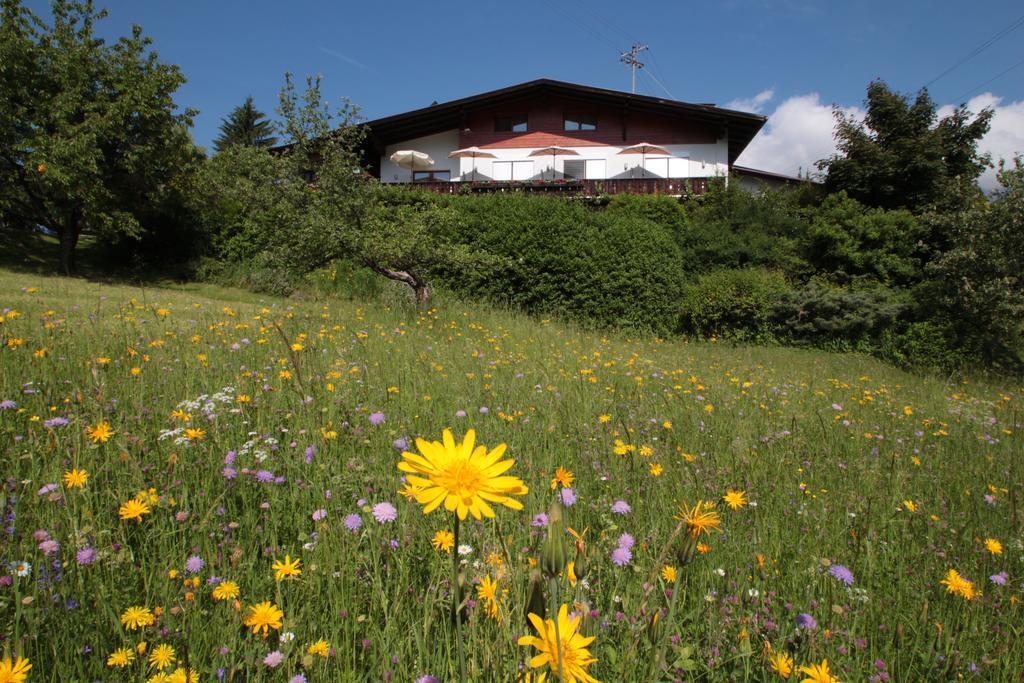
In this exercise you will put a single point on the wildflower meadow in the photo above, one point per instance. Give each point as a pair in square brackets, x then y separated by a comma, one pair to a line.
[201, 484]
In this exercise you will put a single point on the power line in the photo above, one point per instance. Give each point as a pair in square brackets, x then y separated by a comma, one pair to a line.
[1017, 23]
[652, 77]
[994, 78]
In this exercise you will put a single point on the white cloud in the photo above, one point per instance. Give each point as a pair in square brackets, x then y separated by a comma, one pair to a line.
[754, 103]
[800, 132]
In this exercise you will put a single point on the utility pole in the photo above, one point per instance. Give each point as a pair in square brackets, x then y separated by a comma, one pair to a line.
[630, 59]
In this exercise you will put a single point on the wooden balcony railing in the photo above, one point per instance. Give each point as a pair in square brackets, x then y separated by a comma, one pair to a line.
[588, 188]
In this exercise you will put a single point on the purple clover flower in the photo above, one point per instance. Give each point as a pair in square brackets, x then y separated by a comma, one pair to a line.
[806, 621]
[376, 418]
[842, 573]
[621, 556]
[540, 520]
[86, 555]
[621, 507]
[194, 564]
[626, 541]
[353, 522]
[568, 497]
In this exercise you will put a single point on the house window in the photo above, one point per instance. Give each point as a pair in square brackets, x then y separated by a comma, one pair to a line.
[431, 176]
[580, 122]
[584, 169]
[510, 124]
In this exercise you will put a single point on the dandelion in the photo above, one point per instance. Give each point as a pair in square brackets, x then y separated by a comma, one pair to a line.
[566, 651]
[700, 519]
[735, 499]
[443, 540]
[320, 648]
[910, 505]
[121, 657]
[14, 671]
[957, 584]
[75, 478]
[781, 663]
[993, 546]
[137, 617]
[818, 673]
[668, 573]
[286, 568]
[385, 512]
[464, 479]
[133, 509]
[226, 590]
[100, 433]
[563, 478]
[263, 617]
[161, 657]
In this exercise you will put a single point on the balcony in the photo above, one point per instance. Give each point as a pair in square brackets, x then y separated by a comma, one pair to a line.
[675, 187]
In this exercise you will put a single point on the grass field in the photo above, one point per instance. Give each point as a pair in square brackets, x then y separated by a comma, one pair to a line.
[252, 428]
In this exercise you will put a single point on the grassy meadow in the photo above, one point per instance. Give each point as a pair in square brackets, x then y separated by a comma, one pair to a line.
[252, 429]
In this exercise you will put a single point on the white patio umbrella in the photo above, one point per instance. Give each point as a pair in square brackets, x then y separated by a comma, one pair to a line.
[643, 149]
[412, 160]
[473, 153]
[554, 150]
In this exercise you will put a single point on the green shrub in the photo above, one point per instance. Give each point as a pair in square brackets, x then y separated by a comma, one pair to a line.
[840, 318]
[734, 304]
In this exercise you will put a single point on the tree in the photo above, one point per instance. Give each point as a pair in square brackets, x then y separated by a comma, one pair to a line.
[982, 274]
[311, 203]
[91, 139]
[245, 125]
[900, 157]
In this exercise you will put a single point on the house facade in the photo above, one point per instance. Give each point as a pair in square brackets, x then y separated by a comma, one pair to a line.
[594, 132]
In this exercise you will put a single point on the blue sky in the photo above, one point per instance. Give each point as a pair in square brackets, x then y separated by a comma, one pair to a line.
[390, 57]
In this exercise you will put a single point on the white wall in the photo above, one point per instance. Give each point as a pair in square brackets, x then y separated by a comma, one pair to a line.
[690, 161]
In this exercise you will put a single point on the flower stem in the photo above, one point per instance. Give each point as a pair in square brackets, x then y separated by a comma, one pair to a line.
[553, 583]
[456, 600]
[660, 652]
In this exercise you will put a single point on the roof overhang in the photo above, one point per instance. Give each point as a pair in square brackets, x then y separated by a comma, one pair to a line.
[739, 127]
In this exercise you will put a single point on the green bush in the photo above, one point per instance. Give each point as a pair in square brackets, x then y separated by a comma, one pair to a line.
[733, 304]
[560, 257]
[822, 314]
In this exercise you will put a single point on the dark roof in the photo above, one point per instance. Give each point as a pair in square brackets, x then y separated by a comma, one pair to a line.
[741, 126]
[768, 175]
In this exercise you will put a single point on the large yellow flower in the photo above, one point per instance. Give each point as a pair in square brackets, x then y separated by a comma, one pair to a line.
[226, 590]
[573, 646]
[818, 673]
[101, 433]
[75, 478]
[955, 583]
[263, 617]
[14, 671]
[121, 657]
[162, 656]
[463, 478]
[133, 509]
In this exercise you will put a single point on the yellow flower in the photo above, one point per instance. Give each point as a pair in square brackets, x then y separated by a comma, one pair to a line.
[604, 419]
[993, 546]
[181, 415]
[957, 584]
[137, 617]
[195, 434]
[14, 671]
[226, 590]
[76, 478]
[133, 509]
[656, 469]
[101, 433]
[161, 657]
[575, 658]
[463, 478]
[285, 568]
[735, 499]
[443, 540]
[701, 518]
[818, 673]
[121, 657]
[562, 477]
[910, 505]
[668, 572]
[263, 617]
[782, 664]
[320, 647]
[488, 592]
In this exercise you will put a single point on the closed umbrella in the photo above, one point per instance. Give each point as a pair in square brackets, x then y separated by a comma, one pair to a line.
[412, 160]
[473, 153]
[643, 149]
[554, 150]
